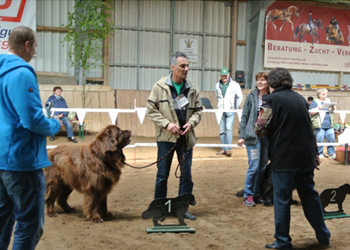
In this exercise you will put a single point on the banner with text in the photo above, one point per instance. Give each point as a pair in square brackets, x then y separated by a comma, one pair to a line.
[15, 13]
[307, 37]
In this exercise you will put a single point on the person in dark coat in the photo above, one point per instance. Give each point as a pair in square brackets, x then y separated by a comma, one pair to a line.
[293, 158]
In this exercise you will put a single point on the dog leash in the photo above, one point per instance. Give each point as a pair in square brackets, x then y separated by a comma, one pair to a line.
[180, 165]
[172, 149]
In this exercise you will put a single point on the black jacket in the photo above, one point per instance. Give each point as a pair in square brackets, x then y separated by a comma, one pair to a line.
[290, 135]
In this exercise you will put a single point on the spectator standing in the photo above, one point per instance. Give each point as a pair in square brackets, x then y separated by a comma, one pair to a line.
[229, 95]
[324, 129]
[23, 144]
[257, 148]
[293, 159]
[58, 101]
[175, 108]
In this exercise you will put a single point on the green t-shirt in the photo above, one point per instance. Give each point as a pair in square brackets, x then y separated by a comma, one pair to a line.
[177, 86]
[224, 88]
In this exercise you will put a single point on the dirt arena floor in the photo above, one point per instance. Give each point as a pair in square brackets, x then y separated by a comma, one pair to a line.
[223, 222]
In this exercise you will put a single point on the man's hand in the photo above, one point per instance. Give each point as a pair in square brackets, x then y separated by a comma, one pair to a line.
[240, 142]
[187, 128]
[173, 128]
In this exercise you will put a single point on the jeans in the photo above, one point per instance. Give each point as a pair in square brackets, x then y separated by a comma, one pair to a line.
[186, 184]
[68, 126]
[257, 161]
[310, 200]
[330, 137]
[226, 124]
[22, 199]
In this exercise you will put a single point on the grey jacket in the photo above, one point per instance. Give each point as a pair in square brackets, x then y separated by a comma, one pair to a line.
[248, 120]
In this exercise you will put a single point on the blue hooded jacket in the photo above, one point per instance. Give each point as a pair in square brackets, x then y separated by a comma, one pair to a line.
[23, 126]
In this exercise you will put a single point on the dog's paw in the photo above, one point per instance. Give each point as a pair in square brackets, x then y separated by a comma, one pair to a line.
[268, 203]
[108, 216]
[240, 193]
[52, 214]
[95, 218]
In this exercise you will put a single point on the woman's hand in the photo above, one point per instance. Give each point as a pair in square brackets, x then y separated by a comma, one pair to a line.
[240, 142]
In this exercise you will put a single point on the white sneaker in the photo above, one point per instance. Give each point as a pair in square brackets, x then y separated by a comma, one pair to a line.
[321, 156]
[331, 156]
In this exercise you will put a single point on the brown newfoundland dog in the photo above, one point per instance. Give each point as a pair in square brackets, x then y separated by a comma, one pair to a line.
[92, 169]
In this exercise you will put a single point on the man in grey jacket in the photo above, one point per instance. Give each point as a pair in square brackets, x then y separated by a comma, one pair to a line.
[175, 108]
[229, 95]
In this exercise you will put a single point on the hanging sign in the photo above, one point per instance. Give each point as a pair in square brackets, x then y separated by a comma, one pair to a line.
[15, 13]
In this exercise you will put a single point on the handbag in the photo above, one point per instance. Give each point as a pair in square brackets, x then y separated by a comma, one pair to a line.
[263, 122]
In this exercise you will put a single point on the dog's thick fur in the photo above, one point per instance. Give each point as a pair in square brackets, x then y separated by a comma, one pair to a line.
[91, 169]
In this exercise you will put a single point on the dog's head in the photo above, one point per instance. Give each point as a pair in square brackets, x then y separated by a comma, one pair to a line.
[111, 139]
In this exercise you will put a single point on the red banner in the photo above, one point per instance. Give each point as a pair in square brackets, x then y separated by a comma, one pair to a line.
[307, 37]
[14, 13]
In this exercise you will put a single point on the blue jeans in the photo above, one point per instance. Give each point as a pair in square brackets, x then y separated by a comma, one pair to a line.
[226, 124]
[330, 137]
[68, 126]
[186, 184]
[22, 199]
[257, 161]
[310, 201]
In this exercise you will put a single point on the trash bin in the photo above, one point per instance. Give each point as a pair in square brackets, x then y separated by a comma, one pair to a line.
[340, 154]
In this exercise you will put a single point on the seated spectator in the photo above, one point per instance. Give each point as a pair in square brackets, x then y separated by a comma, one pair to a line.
[59, 102]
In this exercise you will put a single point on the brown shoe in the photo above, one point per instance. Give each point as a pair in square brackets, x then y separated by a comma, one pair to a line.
[222, 152]
[228, 153]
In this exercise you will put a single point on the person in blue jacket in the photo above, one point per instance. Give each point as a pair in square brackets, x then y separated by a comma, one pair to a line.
[24, 128]
[59, 102]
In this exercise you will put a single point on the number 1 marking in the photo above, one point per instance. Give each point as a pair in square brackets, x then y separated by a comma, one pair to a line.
[169, 202]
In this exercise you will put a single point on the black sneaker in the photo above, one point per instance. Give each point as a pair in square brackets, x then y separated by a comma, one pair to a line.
[51, 138]
[73, 140]
[190, 216]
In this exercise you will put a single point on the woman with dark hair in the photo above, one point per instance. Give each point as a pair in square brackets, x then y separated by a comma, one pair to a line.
[256, 147]
[293, 158]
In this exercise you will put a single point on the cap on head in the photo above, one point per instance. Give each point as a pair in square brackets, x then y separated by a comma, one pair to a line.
[224, 71]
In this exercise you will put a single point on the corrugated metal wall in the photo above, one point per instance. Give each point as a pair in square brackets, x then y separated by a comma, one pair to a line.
[52, 55]
[241, 34]
[149, 31]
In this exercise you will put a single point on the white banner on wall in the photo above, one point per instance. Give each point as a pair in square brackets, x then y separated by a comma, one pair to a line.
[15, 13]
[190, 47]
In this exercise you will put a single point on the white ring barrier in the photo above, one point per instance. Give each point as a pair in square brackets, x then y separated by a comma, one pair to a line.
[113, 113]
